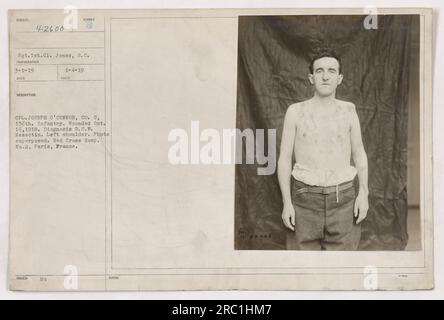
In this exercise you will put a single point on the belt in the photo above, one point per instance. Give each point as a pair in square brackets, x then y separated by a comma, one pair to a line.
[326, 190]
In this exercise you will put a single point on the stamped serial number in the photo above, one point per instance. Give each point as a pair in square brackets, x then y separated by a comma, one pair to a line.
[253, 309]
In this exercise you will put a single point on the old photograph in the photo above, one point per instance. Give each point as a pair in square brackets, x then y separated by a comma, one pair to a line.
[256, 149]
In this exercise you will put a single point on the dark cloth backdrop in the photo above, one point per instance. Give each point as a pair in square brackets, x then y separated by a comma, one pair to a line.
[274, 54]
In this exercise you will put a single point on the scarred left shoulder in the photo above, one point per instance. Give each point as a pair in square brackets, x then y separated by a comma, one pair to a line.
[346, 105]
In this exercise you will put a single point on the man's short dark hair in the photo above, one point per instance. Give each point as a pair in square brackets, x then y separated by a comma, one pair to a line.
[324, 53]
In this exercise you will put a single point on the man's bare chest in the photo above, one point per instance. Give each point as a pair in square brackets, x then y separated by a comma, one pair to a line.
[323, 129]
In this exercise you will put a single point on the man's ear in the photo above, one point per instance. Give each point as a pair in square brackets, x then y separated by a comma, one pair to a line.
[310, 78]
[340, 78]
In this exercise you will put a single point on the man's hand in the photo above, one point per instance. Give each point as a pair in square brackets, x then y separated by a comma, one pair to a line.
[288, 216]
[361, 207]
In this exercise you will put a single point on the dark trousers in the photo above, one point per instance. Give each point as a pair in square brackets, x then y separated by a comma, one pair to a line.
[323, 221]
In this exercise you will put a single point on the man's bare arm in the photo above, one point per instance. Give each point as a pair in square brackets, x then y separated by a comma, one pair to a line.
[360, 159]
[284, 165]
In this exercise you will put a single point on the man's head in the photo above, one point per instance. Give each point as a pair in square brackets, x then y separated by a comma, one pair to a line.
[325, 72]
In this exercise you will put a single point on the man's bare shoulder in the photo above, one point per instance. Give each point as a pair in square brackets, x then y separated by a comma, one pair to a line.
[346, 105]
[296, 108]
[349, 110]
[295, 112]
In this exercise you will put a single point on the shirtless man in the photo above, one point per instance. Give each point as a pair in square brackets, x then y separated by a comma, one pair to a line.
[320, 205]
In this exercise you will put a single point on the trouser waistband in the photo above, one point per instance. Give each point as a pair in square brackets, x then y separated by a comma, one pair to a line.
[326, 190]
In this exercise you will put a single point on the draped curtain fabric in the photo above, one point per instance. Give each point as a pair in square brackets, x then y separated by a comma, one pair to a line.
[274, 55]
